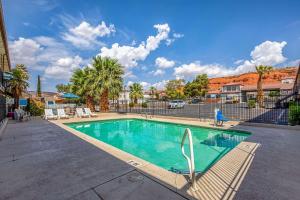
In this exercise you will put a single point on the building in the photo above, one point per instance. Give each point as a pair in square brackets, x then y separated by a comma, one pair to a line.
[231, 93]
[238, 92]
[296, 87]
[4, 65]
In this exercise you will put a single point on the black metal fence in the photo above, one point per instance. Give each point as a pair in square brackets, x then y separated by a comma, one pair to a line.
[273, 109]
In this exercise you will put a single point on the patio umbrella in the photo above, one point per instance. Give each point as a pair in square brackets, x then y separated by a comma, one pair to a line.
[69, 96]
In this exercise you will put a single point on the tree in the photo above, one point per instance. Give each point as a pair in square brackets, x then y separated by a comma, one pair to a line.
[38, 89]
[81, 82]
[136, 92]
[18, 83]
[175, 89]
[62, 88]
[107, 79]
[152, 91]
[198, 87]
[261, 70]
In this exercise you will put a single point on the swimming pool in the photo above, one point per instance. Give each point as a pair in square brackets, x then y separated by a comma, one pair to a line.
[159, 142]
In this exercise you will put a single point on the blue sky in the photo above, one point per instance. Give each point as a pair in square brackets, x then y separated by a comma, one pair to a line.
[155, 41]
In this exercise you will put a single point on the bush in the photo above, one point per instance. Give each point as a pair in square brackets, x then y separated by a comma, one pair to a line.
[274, 93]
[36, 108]
[144, 105]
[251, 103]
[294, 114]
[131, 104]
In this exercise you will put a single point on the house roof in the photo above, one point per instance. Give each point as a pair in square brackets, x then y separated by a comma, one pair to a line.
[233, 83]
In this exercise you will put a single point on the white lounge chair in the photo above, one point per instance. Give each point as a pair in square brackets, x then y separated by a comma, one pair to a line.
[80, 113]
[49, 114]
[61, 114]
[89, 112]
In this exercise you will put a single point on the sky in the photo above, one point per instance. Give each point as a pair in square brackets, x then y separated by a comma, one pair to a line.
[155, 41]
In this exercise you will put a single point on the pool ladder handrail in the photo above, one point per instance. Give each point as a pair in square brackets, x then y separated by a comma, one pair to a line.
[190, 160]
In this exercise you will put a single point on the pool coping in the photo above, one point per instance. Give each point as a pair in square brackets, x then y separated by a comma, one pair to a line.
[217, 182]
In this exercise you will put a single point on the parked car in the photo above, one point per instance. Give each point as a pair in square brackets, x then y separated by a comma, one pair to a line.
[195, 101]
[176, 104]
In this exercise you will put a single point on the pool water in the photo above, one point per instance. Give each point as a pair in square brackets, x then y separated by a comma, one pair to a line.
[159, 142]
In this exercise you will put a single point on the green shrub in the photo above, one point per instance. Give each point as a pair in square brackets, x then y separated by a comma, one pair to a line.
[274, 93]
[144, 105]
[294, 114]
[251, 103]
[131, 104]
[35, 108]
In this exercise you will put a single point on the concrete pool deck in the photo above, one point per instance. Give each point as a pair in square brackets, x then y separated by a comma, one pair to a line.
[41, 160]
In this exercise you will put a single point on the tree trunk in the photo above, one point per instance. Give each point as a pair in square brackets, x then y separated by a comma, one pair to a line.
[104, 103]
[260, 93]
[16, 99]
[135, 100]
[90, 103]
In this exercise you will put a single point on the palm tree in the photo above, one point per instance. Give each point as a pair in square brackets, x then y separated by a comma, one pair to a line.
[107, 79]
[261, 70]
[152, 91]
[81, 82]
[18, 83]
[136, 92]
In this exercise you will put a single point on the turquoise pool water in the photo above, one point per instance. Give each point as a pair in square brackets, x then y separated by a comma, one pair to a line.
[159, 142]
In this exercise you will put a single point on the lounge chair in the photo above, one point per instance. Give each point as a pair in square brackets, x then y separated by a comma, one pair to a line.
[220, 118]
[61, 114]
[49, 114]
[89, 112]
[21, 115]
[80, 113]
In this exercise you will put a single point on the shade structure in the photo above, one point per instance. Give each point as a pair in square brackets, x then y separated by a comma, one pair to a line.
[69, 96]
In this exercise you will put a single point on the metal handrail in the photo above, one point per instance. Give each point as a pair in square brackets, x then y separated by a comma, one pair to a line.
[191, 160]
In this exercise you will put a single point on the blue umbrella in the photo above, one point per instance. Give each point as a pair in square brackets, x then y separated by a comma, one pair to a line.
[69, 96]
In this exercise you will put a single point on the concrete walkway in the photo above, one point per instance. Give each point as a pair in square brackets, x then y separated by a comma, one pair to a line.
[39, 160]
[275, 171]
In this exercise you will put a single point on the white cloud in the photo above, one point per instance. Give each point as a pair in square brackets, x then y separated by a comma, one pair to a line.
[86, 36]
[158, 72]
[44, 54]
[238, 61]
[266, 53]
[194, 68]
[129, 74]
[24, 51]
[129, 83]
[178, 35]
[164, 63]
[63, 67]
[37, 52]
[129, 56]
[144, 84]
[160, 85]
[293, 63]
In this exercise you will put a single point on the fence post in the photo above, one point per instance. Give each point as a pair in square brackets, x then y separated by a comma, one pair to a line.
[199, 110]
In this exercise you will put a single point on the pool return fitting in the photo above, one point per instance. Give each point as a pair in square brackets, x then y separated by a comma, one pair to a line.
[190, 160]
